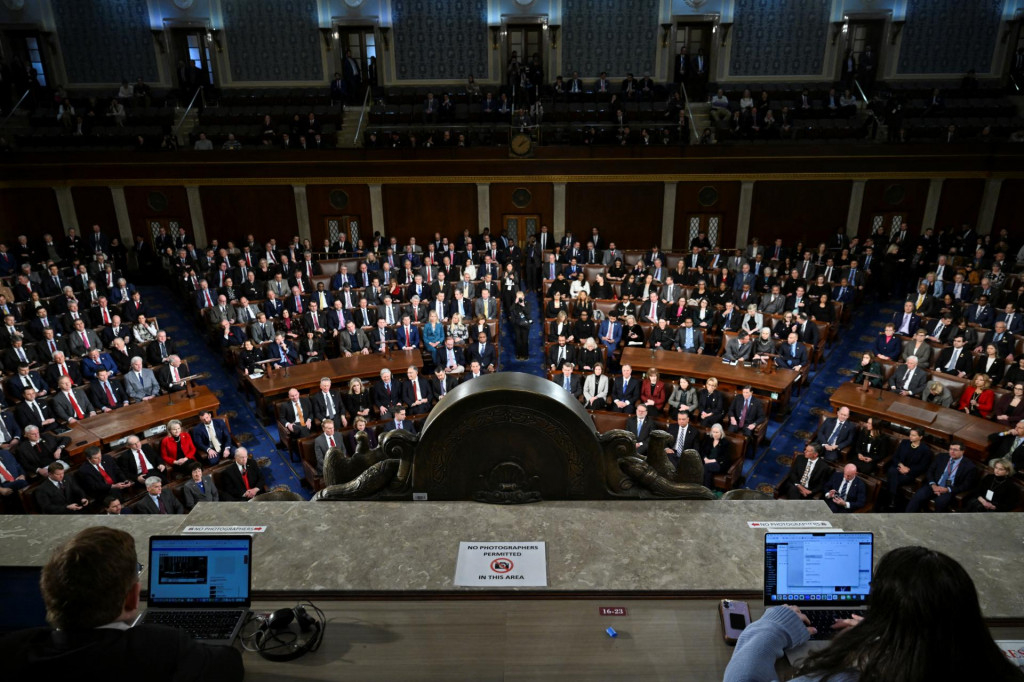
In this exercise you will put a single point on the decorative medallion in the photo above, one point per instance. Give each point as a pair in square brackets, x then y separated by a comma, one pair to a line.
[338, 199]
[766, 489]
[184, 4]
[895, 194]
[521, 197]
[708, 196]
[695, 4]
[784, 460]
[524, 3]
[829, 390]
[353, 3]
[157, 201]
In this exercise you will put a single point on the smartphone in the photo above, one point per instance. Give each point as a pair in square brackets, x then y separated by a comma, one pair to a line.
[735, 618]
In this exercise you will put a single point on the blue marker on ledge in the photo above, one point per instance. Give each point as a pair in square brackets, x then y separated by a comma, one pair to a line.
[611, 632]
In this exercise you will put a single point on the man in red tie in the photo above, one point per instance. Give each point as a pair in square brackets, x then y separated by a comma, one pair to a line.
[100, 476]
[324, 443]
[243, 481]
[70, 404]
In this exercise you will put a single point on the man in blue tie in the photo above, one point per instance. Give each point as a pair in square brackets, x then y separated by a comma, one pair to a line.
[948, 476]
[570, 382]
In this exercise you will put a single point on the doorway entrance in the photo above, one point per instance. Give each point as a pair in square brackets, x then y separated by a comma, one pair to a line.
[520, 227]
[862, 34]
[362, 41]
[191, 47]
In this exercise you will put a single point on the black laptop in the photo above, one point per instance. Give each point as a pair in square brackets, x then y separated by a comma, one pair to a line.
[21, 599]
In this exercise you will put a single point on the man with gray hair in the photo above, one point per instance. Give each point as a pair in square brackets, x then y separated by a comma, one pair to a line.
[242, 481]
[140, 382]
[157, 500]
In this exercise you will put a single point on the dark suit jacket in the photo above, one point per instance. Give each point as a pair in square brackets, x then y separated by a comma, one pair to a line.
[575, 385]
[486, 359]
[233, 487]
[153, 351]
[856, 495]
[847, 434]
[319, 405]
[788, 359]
[690, 442]
[171, 504]
[99, 397]
[51, 500]
[450, 383]
[999, 446]
[644, 434]
[129, 467]
[92, 482]
[53, 373]
[755, 413]
[632, 392]
[966, 474]
[570, 355]
[818, 476]
[201, 438]
[917, 382]
[380, 395]
[408, 393]
[963, 363]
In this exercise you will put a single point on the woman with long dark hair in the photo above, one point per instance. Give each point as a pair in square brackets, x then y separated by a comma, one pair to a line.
[923, 623]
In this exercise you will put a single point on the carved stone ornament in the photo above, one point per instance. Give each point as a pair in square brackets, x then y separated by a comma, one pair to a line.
[511, 438]
[695, 4]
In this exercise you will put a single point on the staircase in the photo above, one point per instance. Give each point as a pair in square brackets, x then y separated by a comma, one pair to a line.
[701, 112]
[17, 126]
[347, 137]
[188, 124]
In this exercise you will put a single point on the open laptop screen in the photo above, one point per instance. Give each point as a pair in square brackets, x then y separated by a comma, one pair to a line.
[817, 569]
[200, 571]
[21, 598]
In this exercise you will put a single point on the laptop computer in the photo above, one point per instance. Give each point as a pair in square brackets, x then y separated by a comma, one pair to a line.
[200, 584]
[22, 599]
[828, 575]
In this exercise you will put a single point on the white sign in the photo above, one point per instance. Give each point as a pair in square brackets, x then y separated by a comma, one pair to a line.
[1013, 649]
[224, 530]
[502, 564]
[788, 525]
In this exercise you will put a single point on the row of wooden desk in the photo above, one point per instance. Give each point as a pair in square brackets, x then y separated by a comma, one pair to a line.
[778, 384]
[107, 427]
[277, 382]
[941, 422]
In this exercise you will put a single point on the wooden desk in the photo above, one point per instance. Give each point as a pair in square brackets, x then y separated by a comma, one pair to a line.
[305, 377]
[780, 383]
[81, 440]
[107, 427]
[940, 422]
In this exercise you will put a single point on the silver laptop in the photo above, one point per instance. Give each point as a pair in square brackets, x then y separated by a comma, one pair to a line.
[200, 584]
[828, 575]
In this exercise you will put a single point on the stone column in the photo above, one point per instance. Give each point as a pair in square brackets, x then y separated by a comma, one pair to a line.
[302, 212]
[743, 219]
[376, 212]
[195, 212]
[856, 203]
[668, 215]
[989, 202]
[66, 206]
[124, 222]
[558, 223]
[483, 207]
[931, 205]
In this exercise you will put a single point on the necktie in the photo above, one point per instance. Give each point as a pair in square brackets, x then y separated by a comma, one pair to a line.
[85, 340]
[214, 443]
[5, 475]
[110, 394]
[565, 383]
[906, 383]
[950, 473]
[835, 433]
[953, 358]
[844, 489]
[3, 431]
[106, 477]
[639, 426]
[387, 387]
[39, 411]
[174, 373]
[160, 504]
[21, 355]
[74, 403]
[806, 478]
[743, 412]
[680, 439]
[141, 461]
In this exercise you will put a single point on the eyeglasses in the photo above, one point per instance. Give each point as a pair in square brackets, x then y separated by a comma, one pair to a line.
[140, 567]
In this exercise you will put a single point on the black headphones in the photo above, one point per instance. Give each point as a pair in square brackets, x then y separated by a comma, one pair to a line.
[278, 638]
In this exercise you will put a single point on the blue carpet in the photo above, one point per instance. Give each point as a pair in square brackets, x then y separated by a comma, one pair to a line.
[535, 363]
[772, 464]
[246, 426]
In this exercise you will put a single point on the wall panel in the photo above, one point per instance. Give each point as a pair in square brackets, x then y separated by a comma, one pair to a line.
[1009, 210]
[688, 203]
[421, 210]
[440, 39]
[960, 202]
[617, 37]
[318, 197]
[628, 214]
[230, 213]
[799, 211]
[273, 41]
[881, 197]
[105, 42]
[30, 211]
[95, 206]
[542, 203]
[783, 37]
[165, 203]
[966, 31]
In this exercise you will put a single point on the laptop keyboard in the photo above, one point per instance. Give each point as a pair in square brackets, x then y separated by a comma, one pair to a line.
[824, 620]
[200, 625]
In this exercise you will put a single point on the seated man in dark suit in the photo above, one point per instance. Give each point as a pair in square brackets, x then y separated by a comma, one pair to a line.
[160, 349]
[415, 392]
[739, 348]
[956, 360]
[1007, 444]
[569, 381]
[106, 394]
[400, 422]
[243, 481]
[948, 476]
[640, 425]
[561, 353]
[157, 500]
[684, 437]
[100, 476]
[442, 383]
[837, 434]
[807, 475]
[282, 351]
[211, 439]
[792, 353]
[25, 379]
[908, 379]
[59, 496]
[384, 395]
[846, 492]
[90, 582]
[170, 375]
[61, 367]
[139, 462]
[482, 352]
[746, 414]
[625, 392]
[36, 451]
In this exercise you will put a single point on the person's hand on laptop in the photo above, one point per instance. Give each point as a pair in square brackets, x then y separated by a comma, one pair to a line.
[805, 619]
[847, 623]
